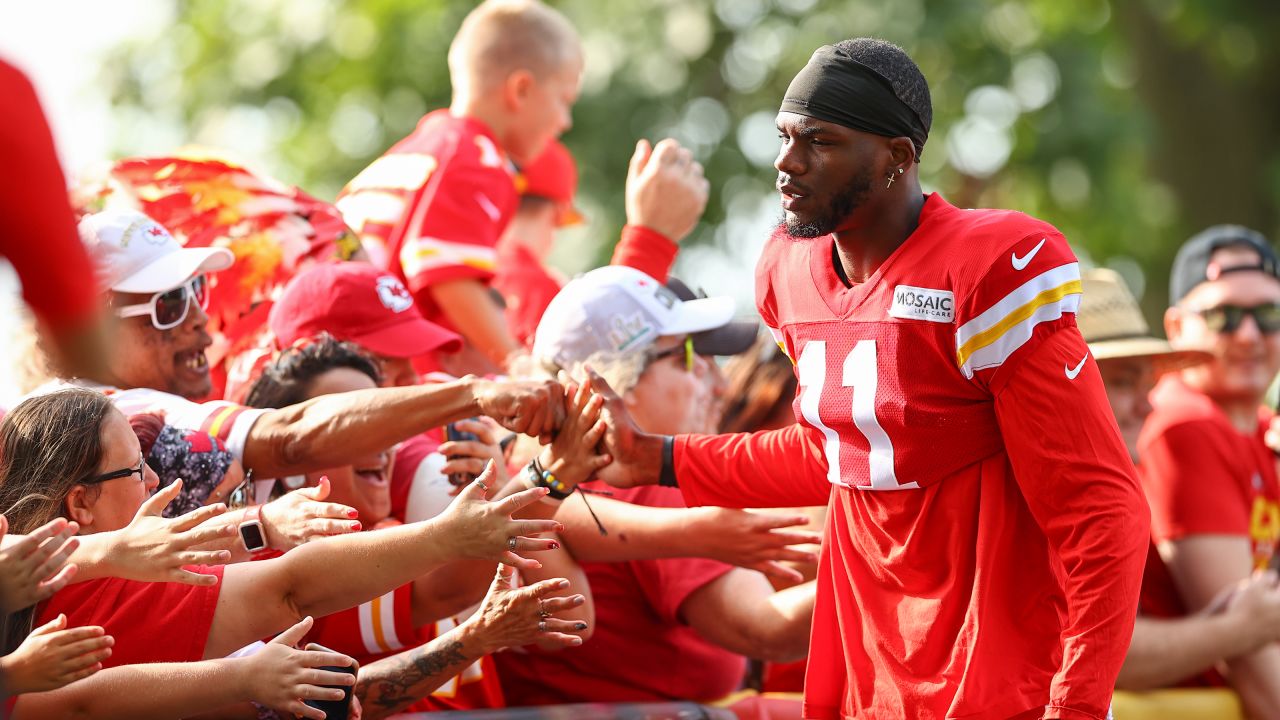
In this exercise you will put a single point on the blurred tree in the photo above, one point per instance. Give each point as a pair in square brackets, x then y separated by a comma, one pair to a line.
[1127, 124]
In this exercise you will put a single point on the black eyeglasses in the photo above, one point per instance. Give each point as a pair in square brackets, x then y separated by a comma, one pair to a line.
[685, 347]
[1227, 318]
[115, 474]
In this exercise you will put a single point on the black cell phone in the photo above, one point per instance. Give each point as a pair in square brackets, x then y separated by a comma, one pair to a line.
[453, 434]
[333, 709]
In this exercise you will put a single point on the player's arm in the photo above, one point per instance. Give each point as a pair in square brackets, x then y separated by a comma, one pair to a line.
[330, 430]
[741, 612]
[1077, 479]
[469, 306]
[1202, 566]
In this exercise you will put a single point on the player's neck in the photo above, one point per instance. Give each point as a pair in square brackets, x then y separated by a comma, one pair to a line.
[467, 105]
[863, 247]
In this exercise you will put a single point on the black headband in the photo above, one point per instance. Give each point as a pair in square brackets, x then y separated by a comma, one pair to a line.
[836, 88]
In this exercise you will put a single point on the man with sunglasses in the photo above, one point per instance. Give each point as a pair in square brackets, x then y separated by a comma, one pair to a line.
[1209, 476]
[158, 290]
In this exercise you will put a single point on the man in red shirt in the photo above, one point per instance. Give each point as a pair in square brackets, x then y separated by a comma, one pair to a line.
[986, 534]
[1209, 475]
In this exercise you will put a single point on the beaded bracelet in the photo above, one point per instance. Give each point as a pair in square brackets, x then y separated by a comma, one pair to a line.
[540, 477]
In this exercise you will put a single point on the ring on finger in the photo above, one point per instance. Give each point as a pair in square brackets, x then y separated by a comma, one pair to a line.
[542, 609]
[542, 626]
[511, 543]
[482, 486]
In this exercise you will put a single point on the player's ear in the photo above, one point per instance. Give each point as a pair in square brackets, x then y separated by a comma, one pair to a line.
[902, 155]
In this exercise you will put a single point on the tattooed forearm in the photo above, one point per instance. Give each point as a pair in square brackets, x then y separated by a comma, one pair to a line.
[394, 683]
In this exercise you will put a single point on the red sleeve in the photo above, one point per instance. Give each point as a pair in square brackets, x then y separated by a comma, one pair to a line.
[777, 468]
[458, 225]
[150, 622]
[372, 629]
[1080, 485]
[40, 236]
[648, 251]
[1189, 484]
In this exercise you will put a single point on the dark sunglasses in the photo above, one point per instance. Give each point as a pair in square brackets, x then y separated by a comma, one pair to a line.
[685, 347]
[115, 474]
[1227, 318]
[168, 309]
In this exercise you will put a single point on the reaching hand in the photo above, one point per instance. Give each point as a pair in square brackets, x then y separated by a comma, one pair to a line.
[515, 617]
[280, 676]
[636, 455]
[534, 408]
[666, 191]
[33, 567]
[483, 530]
[754, 540]
[301, 515]
[469, 457]
[574, 456]
[53, 656]
[153, 548]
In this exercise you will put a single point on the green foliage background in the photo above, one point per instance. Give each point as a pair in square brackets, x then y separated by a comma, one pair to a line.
[1128, 123]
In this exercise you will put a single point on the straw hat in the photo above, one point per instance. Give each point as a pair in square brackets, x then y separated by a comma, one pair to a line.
[1112, 324]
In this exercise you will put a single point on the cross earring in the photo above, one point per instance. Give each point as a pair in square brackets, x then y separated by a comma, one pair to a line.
[890, 183]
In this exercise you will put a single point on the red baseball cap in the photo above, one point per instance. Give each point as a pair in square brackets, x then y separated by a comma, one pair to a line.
[553, 175]
[359, 303]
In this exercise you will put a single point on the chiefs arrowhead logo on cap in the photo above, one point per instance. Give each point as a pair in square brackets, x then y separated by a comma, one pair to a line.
[394, 294]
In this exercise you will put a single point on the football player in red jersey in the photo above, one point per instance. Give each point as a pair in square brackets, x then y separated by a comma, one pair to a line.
[986, 534]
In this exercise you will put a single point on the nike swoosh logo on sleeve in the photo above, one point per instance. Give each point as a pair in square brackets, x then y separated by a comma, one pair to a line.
[1073, 372]
[1020, 263]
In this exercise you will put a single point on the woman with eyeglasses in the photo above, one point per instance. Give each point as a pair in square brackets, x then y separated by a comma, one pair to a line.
[683, 625]
[72, 454]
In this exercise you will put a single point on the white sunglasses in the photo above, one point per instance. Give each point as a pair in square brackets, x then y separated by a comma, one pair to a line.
[169, 308]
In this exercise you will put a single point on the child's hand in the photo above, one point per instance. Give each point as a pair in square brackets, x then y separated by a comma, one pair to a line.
[53, 656]
[574, 455]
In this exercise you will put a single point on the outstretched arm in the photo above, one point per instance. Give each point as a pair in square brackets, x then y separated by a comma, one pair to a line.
[259, 598]
[1075, 473]
[741, 612]
[330, 430]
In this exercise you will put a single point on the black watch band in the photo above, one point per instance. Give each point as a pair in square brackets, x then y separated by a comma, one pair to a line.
[667, 478]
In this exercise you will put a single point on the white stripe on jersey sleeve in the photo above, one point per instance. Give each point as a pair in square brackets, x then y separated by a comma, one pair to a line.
[425, 253]
[365, 613]
[990, 338]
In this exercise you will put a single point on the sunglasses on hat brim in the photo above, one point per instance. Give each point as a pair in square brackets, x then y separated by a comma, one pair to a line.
[169, 308]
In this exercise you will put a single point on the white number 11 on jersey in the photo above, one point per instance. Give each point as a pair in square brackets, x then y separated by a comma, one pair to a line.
[859, 372]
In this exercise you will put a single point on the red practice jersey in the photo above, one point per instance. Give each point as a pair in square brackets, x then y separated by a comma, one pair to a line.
[433, 207]
[986, 534]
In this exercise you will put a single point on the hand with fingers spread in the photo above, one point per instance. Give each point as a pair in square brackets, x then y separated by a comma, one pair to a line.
[573, 456]
[302, 515]
[281, 677]
[514, 617]
[34, 567]
[534, 408]
[754, 540]
[153, 548]
[481, 530]
[469, 457]
[666, 190]
[636, 456]
[53, 656]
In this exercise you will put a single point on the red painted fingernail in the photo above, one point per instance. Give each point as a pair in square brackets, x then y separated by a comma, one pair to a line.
[555, 546]
[353, 514]
[355, 526]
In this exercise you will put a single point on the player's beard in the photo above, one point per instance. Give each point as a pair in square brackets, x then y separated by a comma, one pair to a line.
[850, 198]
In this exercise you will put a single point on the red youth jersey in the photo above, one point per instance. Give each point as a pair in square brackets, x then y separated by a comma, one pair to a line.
[641, 650]
[433, 207]
[1204, 477]
[986, 534]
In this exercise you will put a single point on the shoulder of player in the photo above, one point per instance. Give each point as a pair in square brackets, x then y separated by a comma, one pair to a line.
[995, 240]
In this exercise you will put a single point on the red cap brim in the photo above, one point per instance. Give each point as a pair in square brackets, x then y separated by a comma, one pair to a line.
[412, 337]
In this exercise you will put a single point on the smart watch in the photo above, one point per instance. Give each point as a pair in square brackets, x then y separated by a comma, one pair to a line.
[251, 532]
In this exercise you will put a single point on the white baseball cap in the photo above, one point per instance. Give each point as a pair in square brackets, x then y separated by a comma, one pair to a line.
[622, 310]
[134, 254]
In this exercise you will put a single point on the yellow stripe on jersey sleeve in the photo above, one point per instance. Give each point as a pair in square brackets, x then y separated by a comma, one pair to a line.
[429, 253]
[990, 338]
